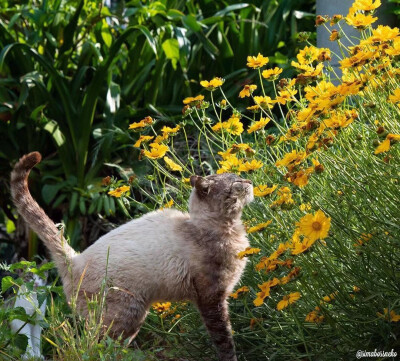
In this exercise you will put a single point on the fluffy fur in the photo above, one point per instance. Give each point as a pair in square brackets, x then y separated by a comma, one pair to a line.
[166, 255]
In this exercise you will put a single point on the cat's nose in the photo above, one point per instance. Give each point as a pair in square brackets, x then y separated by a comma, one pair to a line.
[247, 181]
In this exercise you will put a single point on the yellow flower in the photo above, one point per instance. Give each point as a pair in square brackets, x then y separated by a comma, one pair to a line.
[272, 74]
[305, 207]
[334, 35]
[394, 49]
[358, 20]
[383, 147]
[247, 90]
[156, 151]
[285, 198]
[233, 125]
[264, 102]
[212, 84]
[314, 317]
[314, 226]
[229, 165]
[241, 146]
[161, 306]
[250, 166]
[291, 159]
[168, 130]
[259, 227]
[169, 204]
[331, 297]
[256, 62]
[392, 316]
[395, 97]
[288, 300]
[366, 5]
[292, 274]
[247, 252]
[300, 247]
[143, 123]
[382, 34]
[365, 237]
[142, 138]
[307, 55]
[258, 125]
[286, 96]
[335, 19]
[217, 127]
[160, 138]
[239, 291]
[193, 100]
[263, 190]
[118, 192]
[254, 108]
[172, 165]
[265, 291]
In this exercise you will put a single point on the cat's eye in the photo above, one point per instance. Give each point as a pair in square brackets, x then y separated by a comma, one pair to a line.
[237, 187]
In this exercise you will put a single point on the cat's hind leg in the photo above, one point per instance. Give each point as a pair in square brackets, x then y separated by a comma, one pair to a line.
[125, 313]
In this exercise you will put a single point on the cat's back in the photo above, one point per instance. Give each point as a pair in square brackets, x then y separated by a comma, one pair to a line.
[148, 248]
[146, 234]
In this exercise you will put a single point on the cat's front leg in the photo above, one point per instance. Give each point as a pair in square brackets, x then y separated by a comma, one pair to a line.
[216, 319]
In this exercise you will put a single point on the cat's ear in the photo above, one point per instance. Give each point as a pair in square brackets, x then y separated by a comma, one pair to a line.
[201, 184]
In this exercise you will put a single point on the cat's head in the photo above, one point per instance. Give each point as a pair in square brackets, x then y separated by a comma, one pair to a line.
[222, 195]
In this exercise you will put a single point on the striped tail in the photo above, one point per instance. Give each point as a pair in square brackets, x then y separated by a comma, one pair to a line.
[27, 207]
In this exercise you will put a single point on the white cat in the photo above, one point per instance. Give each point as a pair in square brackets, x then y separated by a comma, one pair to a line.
[28, 300]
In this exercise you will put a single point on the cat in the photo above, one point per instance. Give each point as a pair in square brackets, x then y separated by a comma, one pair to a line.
[165, 255]
[28, 300]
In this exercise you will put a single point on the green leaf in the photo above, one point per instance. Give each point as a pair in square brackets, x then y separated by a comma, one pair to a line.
[10, 227]
[74, 200]
[148, 36]
[230, 8]
[171, 50]
[53, 128]
[122, 207]
[49, 191]
[174, 14]
[107, 205]
[82, 205]
[191, 23]
[105, 33]
[21, 341]
[6, 283]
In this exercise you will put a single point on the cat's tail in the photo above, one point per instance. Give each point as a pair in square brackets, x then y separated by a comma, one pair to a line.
[27, 207]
